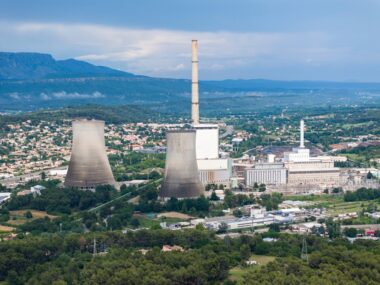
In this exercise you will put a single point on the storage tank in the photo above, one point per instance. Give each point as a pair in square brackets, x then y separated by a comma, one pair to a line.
[181, 170]
[89, 165]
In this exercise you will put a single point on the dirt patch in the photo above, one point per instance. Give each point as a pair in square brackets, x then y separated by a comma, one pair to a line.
[17, 222]
[134, 200]
[6, 229]
[36, 214]
[175, 215]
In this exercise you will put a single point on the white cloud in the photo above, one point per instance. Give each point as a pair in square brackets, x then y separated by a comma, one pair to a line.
[71, 95]
[160, 52]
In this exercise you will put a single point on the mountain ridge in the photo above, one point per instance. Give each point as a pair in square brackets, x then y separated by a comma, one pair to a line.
[31, 81]
[29, 65]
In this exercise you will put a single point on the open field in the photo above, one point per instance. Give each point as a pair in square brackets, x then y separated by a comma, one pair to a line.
[347, 207]
[176, 215]
[236, 273]
[262, 259]
[17, 222]
[18, 218]
[36, 214]
[148, 222]
[6, 229]
[334, 204]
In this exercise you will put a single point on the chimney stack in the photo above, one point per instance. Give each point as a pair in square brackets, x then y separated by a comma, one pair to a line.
[302, 142]
[194, 84]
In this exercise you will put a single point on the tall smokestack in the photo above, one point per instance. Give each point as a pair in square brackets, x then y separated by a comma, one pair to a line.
[302, 142]
[194, 84]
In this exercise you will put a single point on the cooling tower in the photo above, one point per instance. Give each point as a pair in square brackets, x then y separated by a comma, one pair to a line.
[181, 170]
[89, 164]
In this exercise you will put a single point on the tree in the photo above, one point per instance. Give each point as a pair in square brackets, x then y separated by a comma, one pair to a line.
[123, 189]
[214, 197]
[135, 223]
[28, 215]
[372, 207]
[43, 175]
[237, 213]
[369, 175]
[350, 232]
[223, 227]
[274, 228]
[333, 228]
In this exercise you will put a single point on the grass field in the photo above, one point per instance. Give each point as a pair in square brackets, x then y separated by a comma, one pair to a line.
[18, 218]
[236, 273]
[147, 222]
[176, 215]
[6, 229]
[36, 214]
[334, 204]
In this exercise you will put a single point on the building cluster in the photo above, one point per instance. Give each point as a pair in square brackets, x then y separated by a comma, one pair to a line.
[28, 147]
[257, 217]
[296, 172]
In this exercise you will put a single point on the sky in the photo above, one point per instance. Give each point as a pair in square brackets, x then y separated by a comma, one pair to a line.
[334, 40]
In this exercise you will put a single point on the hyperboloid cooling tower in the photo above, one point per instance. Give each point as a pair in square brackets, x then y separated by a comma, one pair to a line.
[181, 170]
[89, 165]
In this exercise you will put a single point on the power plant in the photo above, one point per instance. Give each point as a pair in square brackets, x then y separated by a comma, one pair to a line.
[181, 170]
[89, 165]
[212, 169]
[192, 158]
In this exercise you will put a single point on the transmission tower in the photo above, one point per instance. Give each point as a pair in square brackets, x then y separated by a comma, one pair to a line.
[94, 250]
[304, 254]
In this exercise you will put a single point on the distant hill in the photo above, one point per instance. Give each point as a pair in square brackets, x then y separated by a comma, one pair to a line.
[25, 65]
[32, 81]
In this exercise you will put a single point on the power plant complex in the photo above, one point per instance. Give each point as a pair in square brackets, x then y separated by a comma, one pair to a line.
[205, 162]
[193, 159]
[89, 165]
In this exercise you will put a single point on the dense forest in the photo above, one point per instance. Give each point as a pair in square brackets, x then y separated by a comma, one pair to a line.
[137, 258]
[110, 114]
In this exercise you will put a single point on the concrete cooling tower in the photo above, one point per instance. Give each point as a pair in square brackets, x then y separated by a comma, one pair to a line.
[89, 165]
[181, 170]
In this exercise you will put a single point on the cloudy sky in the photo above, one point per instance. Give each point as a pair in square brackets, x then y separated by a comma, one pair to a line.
[274, 39]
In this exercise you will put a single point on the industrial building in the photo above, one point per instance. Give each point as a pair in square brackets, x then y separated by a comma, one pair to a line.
[89, 165]
[297, 169]
[181, 169]
[212, 169]
[266, 173]
[306, 170]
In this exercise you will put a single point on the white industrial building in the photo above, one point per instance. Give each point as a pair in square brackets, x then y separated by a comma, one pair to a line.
[207, 141]
[266, 173]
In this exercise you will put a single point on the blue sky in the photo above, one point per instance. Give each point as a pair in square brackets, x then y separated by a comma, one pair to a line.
[274, 39]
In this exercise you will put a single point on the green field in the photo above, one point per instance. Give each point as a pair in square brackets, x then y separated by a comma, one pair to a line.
[147, 222]
[236, 273]
[334, 204]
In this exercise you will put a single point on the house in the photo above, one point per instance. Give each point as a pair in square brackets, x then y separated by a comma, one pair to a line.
[36, 190]
[172, 248]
